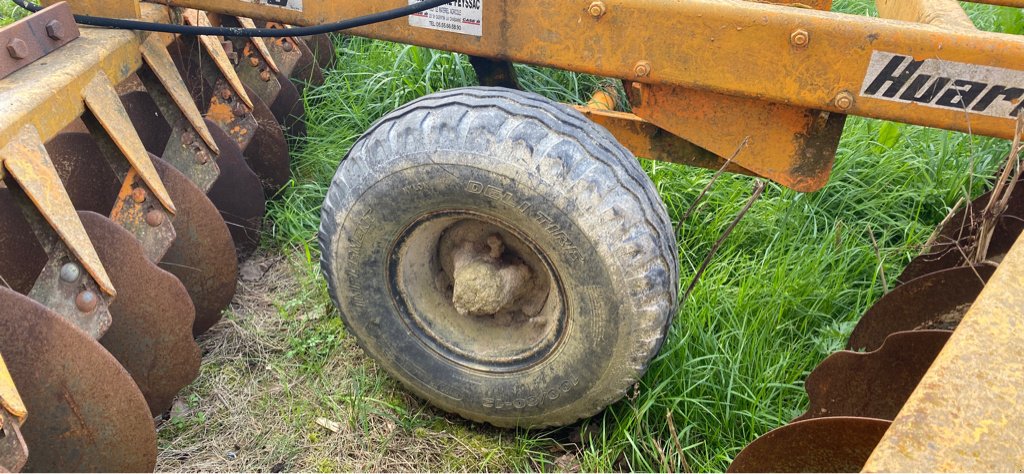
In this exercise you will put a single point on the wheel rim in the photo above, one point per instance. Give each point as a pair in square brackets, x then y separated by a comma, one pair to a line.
[434, 290]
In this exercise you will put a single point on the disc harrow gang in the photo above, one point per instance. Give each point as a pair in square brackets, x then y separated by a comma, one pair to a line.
[854, 396]
[120, 238]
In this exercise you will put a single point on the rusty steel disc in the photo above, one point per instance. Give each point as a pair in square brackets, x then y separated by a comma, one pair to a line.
[21, 256]
[322, 48]
[934, 301]
[835, 444]
[89, 180]
[151, 333]
[267, 154]
[203, 254]
[288, 108]
[238, 194]
[151, 125]
[873, 384]
[307, 71]
[85, 413]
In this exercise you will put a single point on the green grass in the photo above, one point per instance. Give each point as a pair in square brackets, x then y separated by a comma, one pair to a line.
[782, 293]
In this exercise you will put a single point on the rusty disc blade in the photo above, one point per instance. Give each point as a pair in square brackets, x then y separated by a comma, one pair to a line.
[188, 56]
[835, 444]
[288, 108]
[267, 154]
[307, 71]
[149, 122]
[873, 384]
[88, 178]
[322, 48]
[85, 413]
[237, 193]
[21, 256]
[934, 301]
[151, 333]
[203, 254]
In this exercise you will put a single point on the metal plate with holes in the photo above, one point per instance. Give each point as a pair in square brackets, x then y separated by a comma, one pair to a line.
[35, 36]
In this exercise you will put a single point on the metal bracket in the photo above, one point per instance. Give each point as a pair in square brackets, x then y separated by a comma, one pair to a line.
[35, 36]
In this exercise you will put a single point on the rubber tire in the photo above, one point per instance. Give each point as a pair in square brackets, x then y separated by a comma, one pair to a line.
[621, 282]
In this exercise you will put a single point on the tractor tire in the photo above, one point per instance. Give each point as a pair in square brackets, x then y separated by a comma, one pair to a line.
[501, 255]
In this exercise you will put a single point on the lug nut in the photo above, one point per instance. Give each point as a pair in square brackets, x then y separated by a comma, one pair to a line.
[265, 75]
[70, 272]
[642, 69]
[286, 46]
[17, 48]
[800, 38]
[597, 9]
[87, 301]
[55, 30]
[139, 195]
[154, 218]
[844, 100]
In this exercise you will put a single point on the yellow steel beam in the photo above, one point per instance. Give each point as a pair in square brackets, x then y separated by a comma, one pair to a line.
[967, 413]
[802, 57]
[941, 13]
[1004, 3]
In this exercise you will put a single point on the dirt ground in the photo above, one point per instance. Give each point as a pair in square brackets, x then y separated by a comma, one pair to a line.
[282, 388]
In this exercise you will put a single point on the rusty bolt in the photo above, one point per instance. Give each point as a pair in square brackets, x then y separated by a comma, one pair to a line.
[154, 218]
[225, 94]
[239, 110]
[70, 272]
[254, 61]
[139, 195]
[800, 38]
[55, 30]
[597, 9]
[286, 46]
[188, 138]
[87, 301]
[202, 157]
[642, 69]
[265, 75]
[844, 100]
[17, 48]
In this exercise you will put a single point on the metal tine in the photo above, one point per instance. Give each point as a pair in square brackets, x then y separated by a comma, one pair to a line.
[216, 52]
[101, 99]
[26, 159]
[260, 43]
[155, 54]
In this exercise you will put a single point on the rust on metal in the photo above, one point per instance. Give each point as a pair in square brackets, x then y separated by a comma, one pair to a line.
[934, 301]
[21, 256]
[131, 214]
[834, 444]
[216, 52]
[151, 335]
[941, 13]
[86, 415]
[791, 145]
[259, 43]
[238, 195]
[268, 154]
[154, 52]
[102, 100]
[203, 256]
[26, 160]
[35, 36]
[873, 384]
[965, 414]
[89, 180]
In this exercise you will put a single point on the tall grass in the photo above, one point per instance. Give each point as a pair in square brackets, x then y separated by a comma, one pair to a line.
[782, 293]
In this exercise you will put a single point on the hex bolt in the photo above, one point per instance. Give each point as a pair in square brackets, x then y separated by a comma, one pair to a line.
[265, 75]
[202, 157]
[188, 138]
[286, 46]
[597, 9]
[55, 30]
[87, 301]
[155, 218]
[642, 69]
[844, 100]
[70, 272]
[800, 38]
[239, 110]
[17, 48]
[254, 61]
[225, 94]
[139, 195]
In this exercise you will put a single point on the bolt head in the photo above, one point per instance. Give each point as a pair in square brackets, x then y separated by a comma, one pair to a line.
[70, 272]
[265, 75]
[139, 195]
[55, 30]
[155, 218]
[844, 100]
[254, 61]
[642, 69]
[800, 38]
[225, 94]
[87, 301]
[17, 48]
[597, 9]
[202, 157]
[287, 46]
[239, 110]
[188, 138]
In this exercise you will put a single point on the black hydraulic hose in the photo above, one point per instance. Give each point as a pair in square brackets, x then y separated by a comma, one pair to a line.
[188, 30]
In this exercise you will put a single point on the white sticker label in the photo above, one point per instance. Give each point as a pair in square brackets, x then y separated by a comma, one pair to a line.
[289, 4]
[985, 90]
[461, 16]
